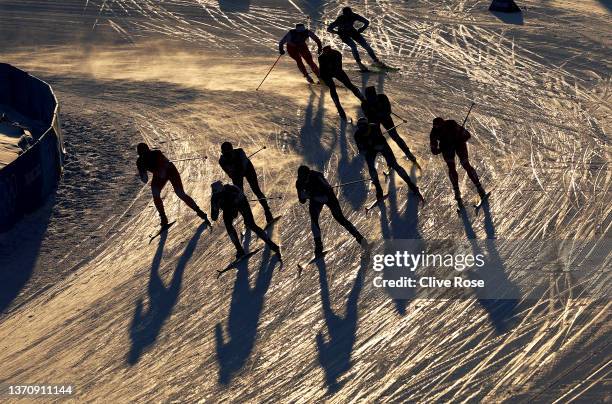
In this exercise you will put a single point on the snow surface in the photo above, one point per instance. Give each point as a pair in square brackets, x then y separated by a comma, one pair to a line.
[87, 301]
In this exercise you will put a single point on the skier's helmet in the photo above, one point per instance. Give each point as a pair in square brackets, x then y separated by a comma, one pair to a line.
[347, 11]
[216, 186]
[226, 148]
[327, 48]
[438, 122]
[142, 148]
[363, 121]
[303, 171]
[300, 27]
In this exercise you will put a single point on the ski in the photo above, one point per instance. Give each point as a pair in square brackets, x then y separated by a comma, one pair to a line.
[383, 68]
[484, 199]
[376, 203]
[274, 220]
[237, 261]
[161, 230]
[315, 258]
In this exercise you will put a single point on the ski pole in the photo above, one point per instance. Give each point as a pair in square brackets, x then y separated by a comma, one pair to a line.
[190, 158]
[390, 129]
[251, 155]
[468, 114]
[271, 198]
[397, 116]
[351, 182]
[269, 71]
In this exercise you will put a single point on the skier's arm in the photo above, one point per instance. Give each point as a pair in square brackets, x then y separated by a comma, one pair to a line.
[315, 38]
[332, 27]
[214, 208]
[142, 173]
[301, 192]
[433, 143]
[282, 43]
[362, 20]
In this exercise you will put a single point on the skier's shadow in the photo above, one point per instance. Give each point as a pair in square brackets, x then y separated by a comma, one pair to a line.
[334, 352]
[501, 311]
[146, 327]
[348, 169]
[313, 151]
[245, 311]
[402, 226]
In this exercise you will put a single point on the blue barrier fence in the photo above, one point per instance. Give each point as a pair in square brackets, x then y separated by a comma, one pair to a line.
[26, 182]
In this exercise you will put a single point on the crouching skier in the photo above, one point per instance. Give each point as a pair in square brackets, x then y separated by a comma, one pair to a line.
[297, 47]
[330, 65]
[163, 170]
[231, 200]
[370, 141]
[238, 166]
[312, 185]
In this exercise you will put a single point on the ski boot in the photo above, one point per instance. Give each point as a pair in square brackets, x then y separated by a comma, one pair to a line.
[163, 221]
[419, 195]
[318, 251]
[204, 217]
[362, 68]
[240, 253]
[276, 249]
[380, 195]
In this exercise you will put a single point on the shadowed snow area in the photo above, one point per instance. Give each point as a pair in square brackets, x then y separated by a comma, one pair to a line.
[86, 299]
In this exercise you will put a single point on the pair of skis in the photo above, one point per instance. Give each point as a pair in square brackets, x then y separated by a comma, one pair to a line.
[476, 206]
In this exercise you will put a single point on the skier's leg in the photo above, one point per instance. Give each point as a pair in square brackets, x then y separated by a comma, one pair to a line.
[239, 182]
[228, 220]
[314, 210]
[251, 177]
[462, 153]
[365, 45]
[305, 52]
[294, 52]
[344, 79]
[336, 211]
[249, 222]
[392, 162]
[157, 184]
[177, 184]
[329, 82]
[449, 157]
[351, 44]
[388, 123]
[371, 162]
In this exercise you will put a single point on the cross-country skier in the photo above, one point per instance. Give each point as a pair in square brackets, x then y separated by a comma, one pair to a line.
[450, 139]
[312, 185]
[370, 141]
[330, 64]
[231, 200]
[377, 109]
[297, 47]
[344, 27]
[163, 170]
[238, 166]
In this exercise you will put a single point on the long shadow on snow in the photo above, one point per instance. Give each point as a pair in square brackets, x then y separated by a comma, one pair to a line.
[401, 226]
[245, 311]
[334, 354]
[350, 170]
[146, 327]
[312, 129]
[501, 311]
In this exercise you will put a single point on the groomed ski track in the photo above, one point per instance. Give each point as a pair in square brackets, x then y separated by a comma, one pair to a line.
[124, 321]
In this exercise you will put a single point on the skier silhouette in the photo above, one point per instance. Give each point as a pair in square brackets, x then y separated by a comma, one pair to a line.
[297, 47]
[330, 64]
